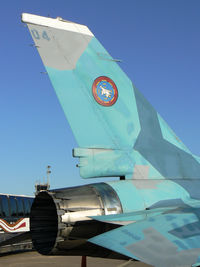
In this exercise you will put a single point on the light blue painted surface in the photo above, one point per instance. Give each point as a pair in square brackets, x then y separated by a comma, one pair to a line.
[138, 194]
[114, 126]
[112, 162]
[124, 217]
[130, 197]
[131, 139]
[167, 240]
[197, 158]
[170, 136]
[131, 127]
[130, 217]
[164, 190]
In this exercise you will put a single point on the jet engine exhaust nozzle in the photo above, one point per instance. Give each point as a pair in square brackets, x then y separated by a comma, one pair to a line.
[60, 220]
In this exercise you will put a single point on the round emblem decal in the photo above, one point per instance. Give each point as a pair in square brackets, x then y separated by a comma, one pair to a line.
[104, 91]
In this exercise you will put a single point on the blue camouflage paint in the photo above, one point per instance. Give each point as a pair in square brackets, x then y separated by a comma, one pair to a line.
[139, 195]
[142, 239]
[131, 127]
[170, 136]
[128, 138]
[112, 124]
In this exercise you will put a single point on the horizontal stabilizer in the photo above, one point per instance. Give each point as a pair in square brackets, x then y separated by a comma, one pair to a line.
[167, 240]
[130, 217]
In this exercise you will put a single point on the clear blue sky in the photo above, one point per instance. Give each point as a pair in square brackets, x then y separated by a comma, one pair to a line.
[159, 44]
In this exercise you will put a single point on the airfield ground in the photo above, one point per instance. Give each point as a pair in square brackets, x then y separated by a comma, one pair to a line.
[33, 259]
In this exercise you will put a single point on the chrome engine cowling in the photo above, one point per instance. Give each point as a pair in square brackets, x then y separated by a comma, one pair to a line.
[61, 223]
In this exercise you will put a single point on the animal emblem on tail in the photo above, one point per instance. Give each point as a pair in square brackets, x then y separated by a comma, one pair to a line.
[156, 205]
[105, 91]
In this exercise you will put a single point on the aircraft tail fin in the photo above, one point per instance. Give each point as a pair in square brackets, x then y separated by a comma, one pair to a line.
[118, 132]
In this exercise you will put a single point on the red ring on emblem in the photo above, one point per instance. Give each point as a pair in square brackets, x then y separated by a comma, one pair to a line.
[96, 97]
